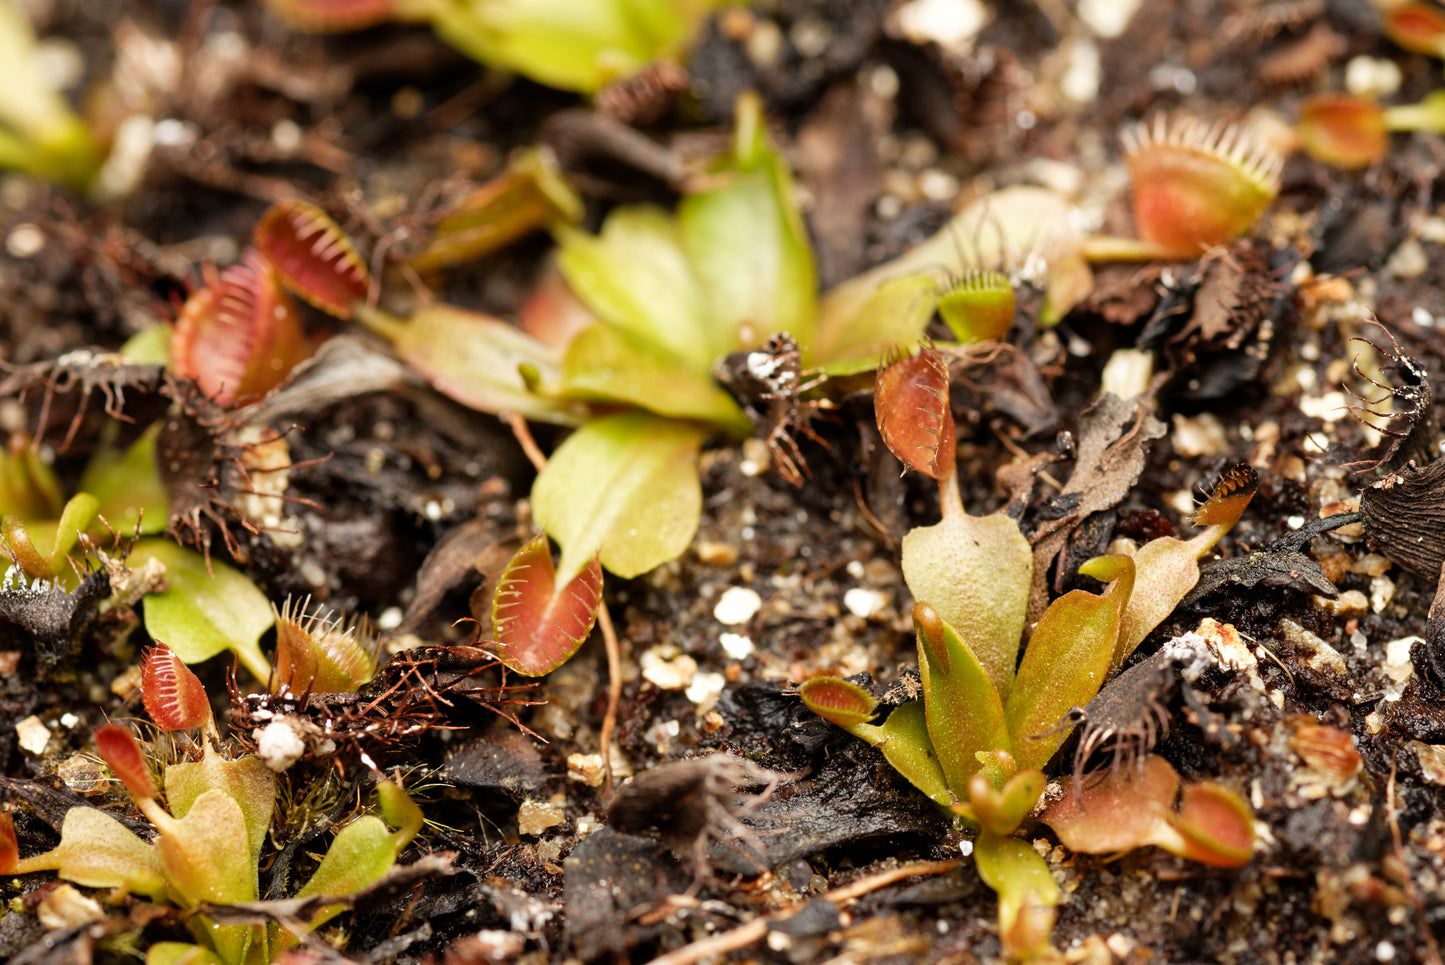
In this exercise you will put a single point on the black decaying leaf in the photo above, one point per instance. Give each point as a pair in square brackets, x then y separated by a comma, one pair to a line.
[1404, 516]
[1280, 565]
[43, 615]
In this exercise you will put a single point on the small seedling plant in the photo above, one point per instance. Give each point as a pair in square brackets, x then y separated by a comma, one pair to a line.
[211, 830]
[988, 722]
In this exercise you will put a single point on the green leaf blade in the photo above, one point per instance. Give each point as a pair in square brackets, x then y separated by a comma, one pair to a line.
[975, 571]
[964, 713]
[1067, 659]
[199, 614]
[624, 487]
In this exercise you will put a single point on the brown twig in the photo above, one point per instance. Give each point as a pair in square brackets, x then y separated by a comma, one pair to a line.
[749, 932]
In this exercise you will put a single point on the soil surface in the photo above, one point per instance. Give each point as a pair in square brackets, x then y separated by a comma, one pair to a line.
[398, 492]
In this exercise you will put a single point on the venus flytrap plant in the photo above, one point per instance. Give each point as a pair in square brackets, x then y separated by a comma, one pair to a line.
[672, 294]
[987, 722]
[212, 829]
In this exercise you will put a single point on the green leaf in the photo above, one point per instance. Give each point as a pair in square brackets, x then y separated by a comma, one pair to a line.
[580, 47]
[625, 487]
[965, 715]
[360, 855]
[180, 953]
[1027, 893]
[1066, 661]
[610, 364]
[246, 780]
[891, 318]
[475, 359]
[903, 739]
[636, 276]
[992, 232]
[206, 858]
[97, 851]
[204, 609]
[127, 485]
[975, 571]
[749, 247]
[537, 625]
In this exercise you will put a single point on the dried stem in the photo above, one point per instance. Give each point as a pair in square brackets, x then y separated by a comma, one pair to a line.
[745, 934]
[614, 688]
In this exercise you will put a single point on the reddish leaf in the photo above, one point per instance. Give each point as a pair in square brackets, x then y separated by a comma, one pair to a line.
[313, 256]
[122, 754]
[240, 335]
[173, 695]
[910, 402]
[537, 626]
[9, 847]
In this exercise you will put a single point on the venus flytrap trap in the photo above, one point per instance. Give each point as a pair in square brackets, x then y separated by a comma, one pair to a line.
[1352, 132]
[212, 829]
[987, 721]
[1195, 186]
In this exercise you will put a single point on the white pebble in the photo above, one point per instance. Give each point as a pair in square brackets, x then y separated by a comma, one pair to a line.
[863, 602]
[738, 604]
[737, 645]
[32, 735]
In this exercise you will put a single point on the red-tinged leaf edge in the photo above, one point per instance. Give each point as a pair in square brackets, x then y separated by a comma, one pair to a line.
[910, 402]
[122, 754]
[173, 695]
[838, 701]
[313, 256]
[9, 846]
[538, 627]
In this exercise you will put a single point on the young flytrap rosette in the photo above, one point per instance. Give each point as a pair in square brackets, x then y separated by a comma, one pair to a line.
[664, 296]
[976, 740]
[1352, 132]
[212, 829]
